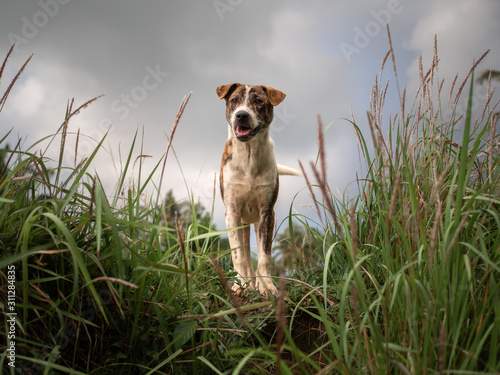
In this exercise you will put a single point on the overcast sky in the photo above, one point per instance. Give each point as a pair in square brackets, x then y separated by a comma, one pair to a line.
[146, 55]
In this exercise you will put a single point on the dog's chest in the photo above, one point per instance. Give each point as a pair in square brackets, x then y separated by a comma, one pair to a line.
[250, 181]
[251, 196]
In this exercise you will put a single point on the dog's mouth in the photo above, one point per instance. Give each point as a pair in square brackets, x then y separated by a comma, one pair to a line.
[245, 133]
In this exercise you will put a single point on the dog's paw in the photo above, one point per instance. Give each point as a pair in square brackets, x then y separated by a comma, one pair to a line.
[241, 286]
[266, 287]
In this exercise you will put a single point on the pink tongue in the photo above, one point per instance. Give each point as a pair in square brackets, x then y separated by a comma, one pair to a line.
[243, 130]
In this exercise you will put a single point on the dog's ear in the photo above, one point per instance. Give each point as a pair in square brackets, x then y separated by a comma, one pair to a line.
[224, 90]
[275, 96]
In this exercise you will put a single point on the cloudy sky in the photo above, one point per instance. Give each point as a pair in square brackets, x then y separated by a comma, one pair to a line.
[145, 56]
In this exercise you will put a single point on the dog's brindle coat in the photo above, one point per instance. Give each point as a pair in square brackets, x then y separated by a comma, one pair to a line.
[249, 178]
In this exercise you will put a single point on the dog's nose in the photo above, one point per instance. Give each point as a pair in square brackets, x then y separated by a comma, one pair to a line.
[242, 116]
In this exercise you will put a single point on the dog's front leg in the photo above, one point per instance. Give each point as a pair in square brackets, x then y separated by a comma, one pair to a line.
[264, 231]
[239, 240]
[247, 269]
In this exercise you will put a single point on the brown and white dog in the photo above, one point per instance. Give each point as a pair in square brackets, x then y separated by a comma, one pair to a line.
[249, 178]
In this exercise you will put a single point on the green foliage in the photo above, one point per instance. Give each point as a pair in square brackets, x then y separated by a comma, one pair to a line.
[421, 293]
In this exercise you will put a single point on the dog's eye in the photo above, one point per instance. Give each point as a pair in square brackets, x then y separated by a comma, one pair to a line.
[258, 101]
[234, 100]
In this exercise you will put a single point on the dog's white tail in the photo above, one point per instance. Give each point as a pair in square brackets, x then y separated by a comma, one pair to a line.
[286, 171]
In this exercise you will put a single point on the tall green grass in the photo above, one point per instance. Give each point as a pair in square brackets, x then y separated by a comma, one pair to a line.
[405, 277]
[420, 293]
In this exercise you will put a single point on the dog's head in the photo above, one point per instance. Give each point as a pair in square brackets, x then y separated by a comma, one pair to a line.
[249, 109]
